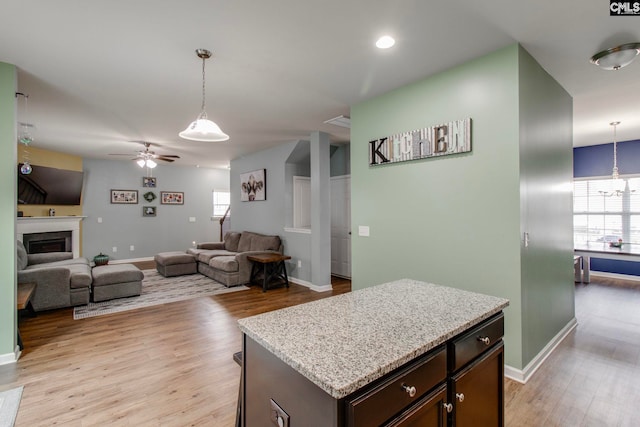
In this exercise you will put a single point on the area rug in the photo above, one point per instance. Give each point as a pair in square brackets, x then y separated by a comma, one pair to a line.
[9, 403]
[157, 289]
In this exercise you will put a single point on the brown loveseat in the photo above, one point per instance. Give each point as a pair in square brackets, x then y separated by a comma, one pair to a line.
[227, 261]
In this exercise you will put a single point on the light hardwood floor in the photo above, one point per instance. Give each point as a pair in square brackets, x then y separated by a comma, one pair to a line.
[171, 365]
[593, 376]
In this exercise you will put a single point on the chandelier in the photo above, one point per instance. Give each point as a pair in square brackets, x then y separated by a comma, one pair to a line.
[616, 186]
[203, 129]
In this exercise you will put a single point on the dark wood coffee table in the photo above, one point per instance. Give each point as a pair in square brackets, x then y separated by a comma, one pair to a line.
[273, 267]
[25, 291]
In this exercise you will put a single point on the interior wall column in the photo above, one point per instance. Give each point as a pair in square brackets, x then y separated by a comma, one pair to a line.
[320, 210]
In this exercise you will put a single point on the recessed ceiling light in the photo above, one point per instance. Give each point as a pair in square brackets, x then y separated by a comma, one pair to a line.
[385, 42]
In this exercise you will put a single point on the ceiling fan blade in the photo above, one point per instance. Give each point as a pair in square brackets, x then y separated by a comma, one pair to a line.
[169, 155]
[164, 159]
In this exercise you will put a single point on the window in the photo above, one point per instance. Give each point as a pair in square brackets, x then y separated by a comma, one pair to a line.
[221, 202]
[601, 218]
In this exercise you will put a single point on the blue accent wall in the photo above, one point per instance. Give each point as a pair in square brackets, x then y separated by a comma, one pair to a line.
[597, 160]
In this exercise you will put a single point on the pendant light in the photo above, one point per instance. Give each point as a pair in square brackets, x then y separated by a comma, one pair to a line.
[25, 137]
[203, 129]
[616, 186]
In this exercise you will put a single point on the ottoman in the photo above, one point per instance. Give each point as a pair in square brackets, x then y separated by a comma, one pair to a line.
[175, 263]
[115, 281]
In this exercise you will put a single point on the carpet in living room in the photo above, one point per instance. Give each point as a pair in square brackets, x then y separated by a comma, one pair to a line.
[157, 289]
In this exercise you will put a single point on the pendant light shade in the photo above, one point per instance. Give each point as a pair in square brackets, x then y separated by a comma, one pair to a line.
[203, 129]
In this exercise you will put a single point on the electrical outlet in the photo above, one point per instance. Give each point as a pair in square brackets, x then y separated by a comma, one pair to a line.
[299, 263]
[99, 220]
[132, 248]
[278, 417]
[115, 249]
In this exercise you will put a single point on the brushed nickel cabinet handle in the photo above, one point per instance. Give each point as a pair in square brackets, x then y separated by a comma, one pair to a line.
[411, 390]
[484, 340]
[460, 397]
[447, 407]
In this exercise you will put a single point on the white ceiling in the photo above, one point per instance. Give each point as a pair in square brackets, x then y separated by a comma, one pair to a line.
[102, 74]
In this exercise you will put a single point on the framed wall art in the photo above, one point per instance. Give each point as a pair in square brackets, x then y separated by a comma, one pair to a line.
[253, 186]
[124, 196]
[171, 198]
[148, 211]
[149, 182]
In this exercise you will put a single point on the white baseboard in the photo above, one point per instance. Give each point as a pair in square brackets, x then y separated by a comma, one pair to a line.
[615, 275]
[128, 261]
[310, 285]
[5, 359]
[522, 376]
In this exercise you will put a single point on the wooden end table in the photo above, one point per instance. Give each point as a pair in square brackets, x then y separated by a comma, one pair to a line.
[273, 267]
[25, 291]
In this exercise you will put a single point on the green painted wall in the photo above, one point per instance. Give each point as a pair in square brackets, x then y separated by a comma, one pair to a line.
[546, 177]
[8, 153]
[454, 220]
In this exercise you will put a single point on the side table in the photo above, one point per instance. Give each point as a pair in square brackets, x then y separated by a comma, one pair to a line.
[23, 301]
[273, 267]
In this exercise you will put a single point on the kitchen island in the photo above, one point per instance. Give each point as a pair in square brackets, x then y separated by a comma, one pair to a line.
[371, 357]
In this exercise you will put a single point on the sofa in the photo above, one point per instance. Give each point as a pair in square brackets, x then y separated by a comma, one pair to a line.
[227, 261]
[61, 280]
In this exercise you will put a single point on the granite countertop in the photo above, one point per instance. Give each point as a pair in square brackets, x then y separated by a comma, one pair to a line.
[343, 343]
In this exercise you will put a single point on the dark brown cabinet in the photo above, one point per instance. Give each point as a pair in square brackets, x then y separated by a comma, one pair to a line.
[477, 391]
[458, 384]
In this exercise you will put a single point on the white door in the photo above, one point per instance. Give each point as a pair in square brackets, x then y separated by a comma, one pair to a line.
[341, 226]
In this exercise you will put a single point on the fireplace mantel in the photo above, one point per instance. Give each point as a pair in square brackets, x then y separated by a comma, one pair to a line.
[44, 224]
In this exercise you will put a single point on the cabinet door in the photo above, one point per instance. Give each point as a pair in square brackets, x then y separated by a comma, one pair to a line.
[428, 412]
[477, 391]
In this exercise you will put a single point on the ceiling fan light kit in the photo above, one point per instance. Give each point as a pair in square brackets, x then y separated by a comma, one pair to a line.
[616, 57]
[147, 158]
[203, 129]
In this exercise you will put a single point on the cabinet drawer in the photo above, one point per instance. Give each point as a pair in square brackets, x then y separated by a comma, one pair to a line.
[473, 343]
[390, 396]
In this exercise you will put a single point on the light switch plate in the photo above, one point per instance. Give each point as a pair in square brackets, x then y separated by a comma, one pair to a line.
[363, 230]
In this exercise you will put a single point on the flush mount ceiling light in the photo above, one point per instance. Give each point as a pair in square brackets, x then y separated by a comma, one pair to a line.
[616, 57]
[385, 42]
[203, 129]
[343, 121]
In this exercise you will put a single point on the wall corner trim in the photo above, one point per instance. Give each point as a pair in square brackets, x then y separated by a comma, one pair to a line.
[522, 376]
[310, 285]
[5, 359]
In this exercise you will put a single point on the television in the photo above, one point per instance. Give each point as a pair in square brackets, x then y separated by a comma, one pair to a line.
[49, 186]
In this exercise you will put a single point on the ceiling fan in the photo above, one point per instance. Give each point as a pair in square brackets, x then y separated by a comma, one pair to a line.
[147, 157]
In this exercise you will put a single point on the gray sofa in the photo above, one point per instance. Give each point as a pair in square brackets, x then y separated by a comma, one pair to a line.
[61, 280]
[227, 261]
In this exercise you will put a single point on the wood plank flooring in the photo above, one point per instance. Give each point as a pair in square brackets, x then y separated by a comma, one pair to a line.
[171, 365]
[593, 376]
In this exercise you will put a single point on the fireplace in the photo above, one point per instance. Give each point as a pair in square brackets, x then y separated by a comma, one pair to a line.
[54, 241]
[47, 224]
